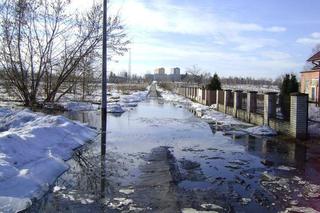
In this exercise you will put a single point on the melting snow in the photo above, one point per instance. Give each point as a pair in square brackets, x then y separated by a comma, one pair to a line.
[263, 130]
[33, 150]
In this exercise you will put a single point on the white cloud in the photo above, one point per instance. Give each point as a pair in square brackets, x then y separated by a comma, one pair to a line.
[312, 39]
[276, 29]
[228, 46]
[275, 55]
[164, 17]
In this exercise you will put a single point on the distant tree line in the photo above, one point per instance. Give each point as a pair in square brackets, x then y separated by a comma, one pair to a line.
[247, 80]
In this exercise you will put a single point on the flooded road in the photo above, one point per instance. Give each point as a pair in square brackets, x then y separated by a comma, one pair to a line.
[161, 158]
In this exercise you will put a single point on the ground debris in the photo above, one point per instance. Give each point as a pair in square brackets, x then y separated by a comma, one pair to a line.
[296, 209]
[189, 165]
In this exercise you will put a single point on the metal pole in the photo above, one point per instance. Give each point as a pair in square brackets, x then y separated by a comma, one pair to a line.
[104, 81]
[104, 98]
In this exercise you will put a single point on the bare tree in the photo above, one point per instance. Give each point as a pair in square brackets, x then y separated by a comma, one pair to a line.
[43, 46]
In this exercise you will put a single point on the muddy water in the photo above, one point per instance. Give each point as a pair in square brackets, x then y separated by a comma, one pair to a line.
[161, 158]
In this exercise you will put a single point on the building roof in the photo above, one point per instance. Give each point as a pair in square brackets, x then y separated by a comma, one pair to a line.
[315, 57]
[308, 71]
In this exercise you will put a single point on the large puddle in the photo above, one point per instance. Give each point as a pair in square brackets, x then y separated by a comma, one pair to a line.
[162, 158]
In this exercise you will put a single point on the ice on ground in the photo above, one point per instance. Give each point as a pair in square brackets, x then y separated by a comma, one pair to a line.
[263, 130]
[79, 106]
[33, 150]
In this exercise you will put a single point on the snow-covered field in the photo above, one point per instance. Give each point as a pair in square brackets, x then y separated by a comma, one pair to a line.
[33, 150]
[209, 114]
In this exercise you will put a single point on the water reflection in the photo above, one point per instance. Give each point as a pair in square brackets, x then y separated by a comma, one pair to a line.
[198, 164]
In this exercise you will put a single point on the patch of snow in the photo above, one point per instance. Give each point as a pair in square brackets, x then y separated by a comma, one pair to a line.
[286, 168]
[191, 210]
[263, 130]
[126, 191]
[300, 209]
[210, 206]
[33, 150]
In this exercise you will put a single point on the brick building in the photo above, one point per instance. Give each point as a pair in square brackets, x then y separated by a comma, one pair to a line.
[310, 79]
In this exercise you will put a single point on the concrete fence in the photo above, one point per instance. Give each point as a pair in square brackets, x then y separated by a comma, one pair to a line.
[259, 109]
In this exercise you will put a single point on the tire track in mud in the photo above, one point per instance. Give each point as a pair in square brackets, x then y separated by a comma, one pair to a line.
[157, 187]
[153, 93]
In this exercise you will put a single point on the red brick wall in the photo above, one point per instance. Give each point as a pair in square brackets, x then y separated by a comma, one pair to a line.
[309, 76]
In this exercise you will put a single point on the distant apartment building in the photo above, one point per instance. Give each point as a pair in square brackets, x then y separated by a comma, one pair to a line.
[160, 75]
[160, 71]
[310, 79]
[175, 74]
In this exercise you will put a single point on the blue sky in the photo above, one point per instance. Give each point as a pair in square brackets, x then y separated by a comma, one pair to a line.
[230, 37]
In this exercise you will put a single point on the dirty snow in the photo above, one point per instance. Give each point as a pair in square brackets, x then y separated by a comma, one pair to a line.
[33, 150]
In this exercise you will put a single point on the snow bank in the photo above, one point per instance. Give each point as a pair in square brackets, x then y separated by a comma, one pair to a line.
[263, 130]
[33, 150]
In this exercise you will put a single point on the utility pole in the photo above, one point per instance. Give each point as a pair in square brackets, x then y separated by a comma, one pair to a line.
[104, 82]
[104, 100]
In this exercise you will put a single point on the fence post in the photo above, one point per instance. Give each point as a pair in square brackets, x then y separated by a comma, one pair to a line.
[270, 106]
[237, 101]
[227, 95]
[217, 100]
[299, 115]
[203, 95]
[251, 103]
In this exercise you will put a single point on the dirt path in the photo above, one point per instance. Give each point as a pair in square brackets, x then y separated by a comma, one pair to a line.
[157, 189]
[153, 93]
